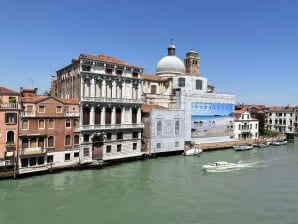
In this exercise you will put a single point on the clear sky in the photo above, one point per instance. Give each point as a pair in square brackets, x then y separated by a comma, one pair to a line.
[247, 47]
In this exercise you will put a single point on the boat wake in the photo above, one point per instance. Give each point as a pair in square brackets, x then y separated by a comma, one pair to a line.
[240, 165]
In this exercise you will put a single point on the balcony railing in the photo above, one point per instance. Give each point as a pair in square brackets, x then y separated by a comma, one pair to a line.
[6, 163]
[28, 114]
[111, 126]
[111, 100]
[14, 106]
[71, 114]
[33, 151]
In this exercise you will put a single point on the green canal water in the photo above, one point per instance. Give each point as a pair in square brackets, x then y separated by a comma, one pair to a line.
[263, 189]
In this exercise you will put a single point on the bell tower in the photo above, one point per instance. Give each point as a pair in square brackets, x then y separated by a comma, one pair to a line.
[192, 63]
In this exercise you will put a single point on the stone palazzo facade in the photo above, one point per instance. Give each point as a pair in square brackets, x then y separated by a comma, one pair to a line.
[110, 95]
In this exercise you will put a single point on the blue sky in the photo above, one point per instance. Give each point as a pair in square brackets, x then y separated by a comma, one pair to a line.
[248, 48]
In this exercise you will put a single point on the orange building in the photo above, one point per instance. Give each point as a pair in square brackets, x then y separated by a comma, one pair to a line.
[47, 134]
[9, 112]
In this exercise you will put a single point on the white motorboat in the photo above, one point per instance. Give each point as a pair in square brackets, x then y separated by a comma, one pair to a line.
[193, 152]
[279, 143]
[242, 147]
[217, 166]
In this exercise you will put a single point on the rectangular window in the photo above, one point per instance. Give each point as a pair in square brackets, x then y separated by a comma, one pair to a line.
[41, 109]
[86, 68]
[108, 149]
[86, 138]
[158, 145]
[25, 124]
[134, 146]
[76, 139]
[109, 71]
[176, 144]
[76, 154]
[119, 148]
[67, 124]
[50, 159]
[181, 82]
[67, 156]
[59, 109]
[135, 74]
[86, 152]
[10, 118]
[40, 160]
[199, 84]
[135, 135]
[51, 124]
[119, 135]
[153, 89]
[41, 124]
[119, 72]
[109, 136]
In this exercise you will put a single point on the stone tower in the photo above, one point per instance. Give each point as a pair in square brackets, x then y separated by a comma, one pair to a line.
[192, 63]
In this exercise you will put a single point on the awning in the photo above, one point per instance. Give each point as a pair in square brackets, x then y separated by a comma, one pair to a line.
[9, 154]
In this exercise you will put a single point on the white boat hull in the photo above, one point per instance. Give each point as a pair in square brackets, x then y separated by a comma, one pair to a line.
[192, 152]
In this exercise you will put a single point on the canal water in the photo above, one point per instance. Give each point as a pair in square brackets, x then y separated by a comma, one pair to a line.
[262, 189]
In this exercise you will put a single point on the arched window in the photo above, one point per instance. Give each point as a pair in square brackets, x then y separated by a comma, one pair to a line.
[159, 128]
[177, 127]
[10, 137]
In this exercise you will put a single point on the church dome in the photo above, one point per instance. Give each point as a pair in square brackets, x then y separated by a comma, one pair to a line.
[170, 64]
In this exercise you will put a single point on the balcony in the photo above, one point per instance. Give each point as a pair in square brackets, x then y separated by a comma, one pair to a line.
[10, 147]
[10, 106]
[71, 114]
[111, 126]
[6, 163]
[33, 151]
[28, 114]
[111, 100]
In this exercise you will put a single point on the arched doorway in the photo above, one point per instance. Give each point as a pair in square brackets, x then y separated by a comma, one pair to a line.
[97, 147]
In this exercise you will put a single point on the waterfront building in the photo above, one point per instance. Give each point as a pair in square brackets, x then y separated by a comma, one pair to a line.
[110, 97]
[296, 120]
[246, 127]
[9, 113]
[281, 120]
[177, 86]
[48, 135]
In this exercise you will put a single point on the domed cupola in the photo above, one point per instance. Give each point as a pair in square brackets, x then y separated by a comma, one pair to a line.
[170, 65]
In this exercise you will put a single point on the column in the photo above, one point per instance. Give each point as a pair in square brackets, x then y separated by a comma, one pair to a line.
[139, 91]
[92, 115]
[114, 89]
[81, 115]
[113, 115]
[122, 115]
[123, 89]
[82, 87]
[92, 87]
[139, 115]
[103, 88]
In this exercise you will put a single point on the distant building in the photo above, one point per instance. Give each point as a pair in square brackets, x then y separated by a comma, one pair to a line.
[9, 113]
[188, 98]
[110, 96]
[48, 136]
[296, 120]
[246, 127]
[281, 119]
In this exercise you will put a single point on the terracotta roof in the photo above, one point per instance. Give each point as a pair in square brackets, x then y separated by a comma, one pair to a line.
[5, 91]
[41, 98]
[33, 99]
[280, 109]
[106, 58]
[153, 78]
[69, 101]
[147, 108]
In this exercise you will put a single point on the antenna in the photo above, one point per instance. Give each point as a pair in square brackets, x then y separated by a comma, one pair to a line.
[32, 83]
[172, 41]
